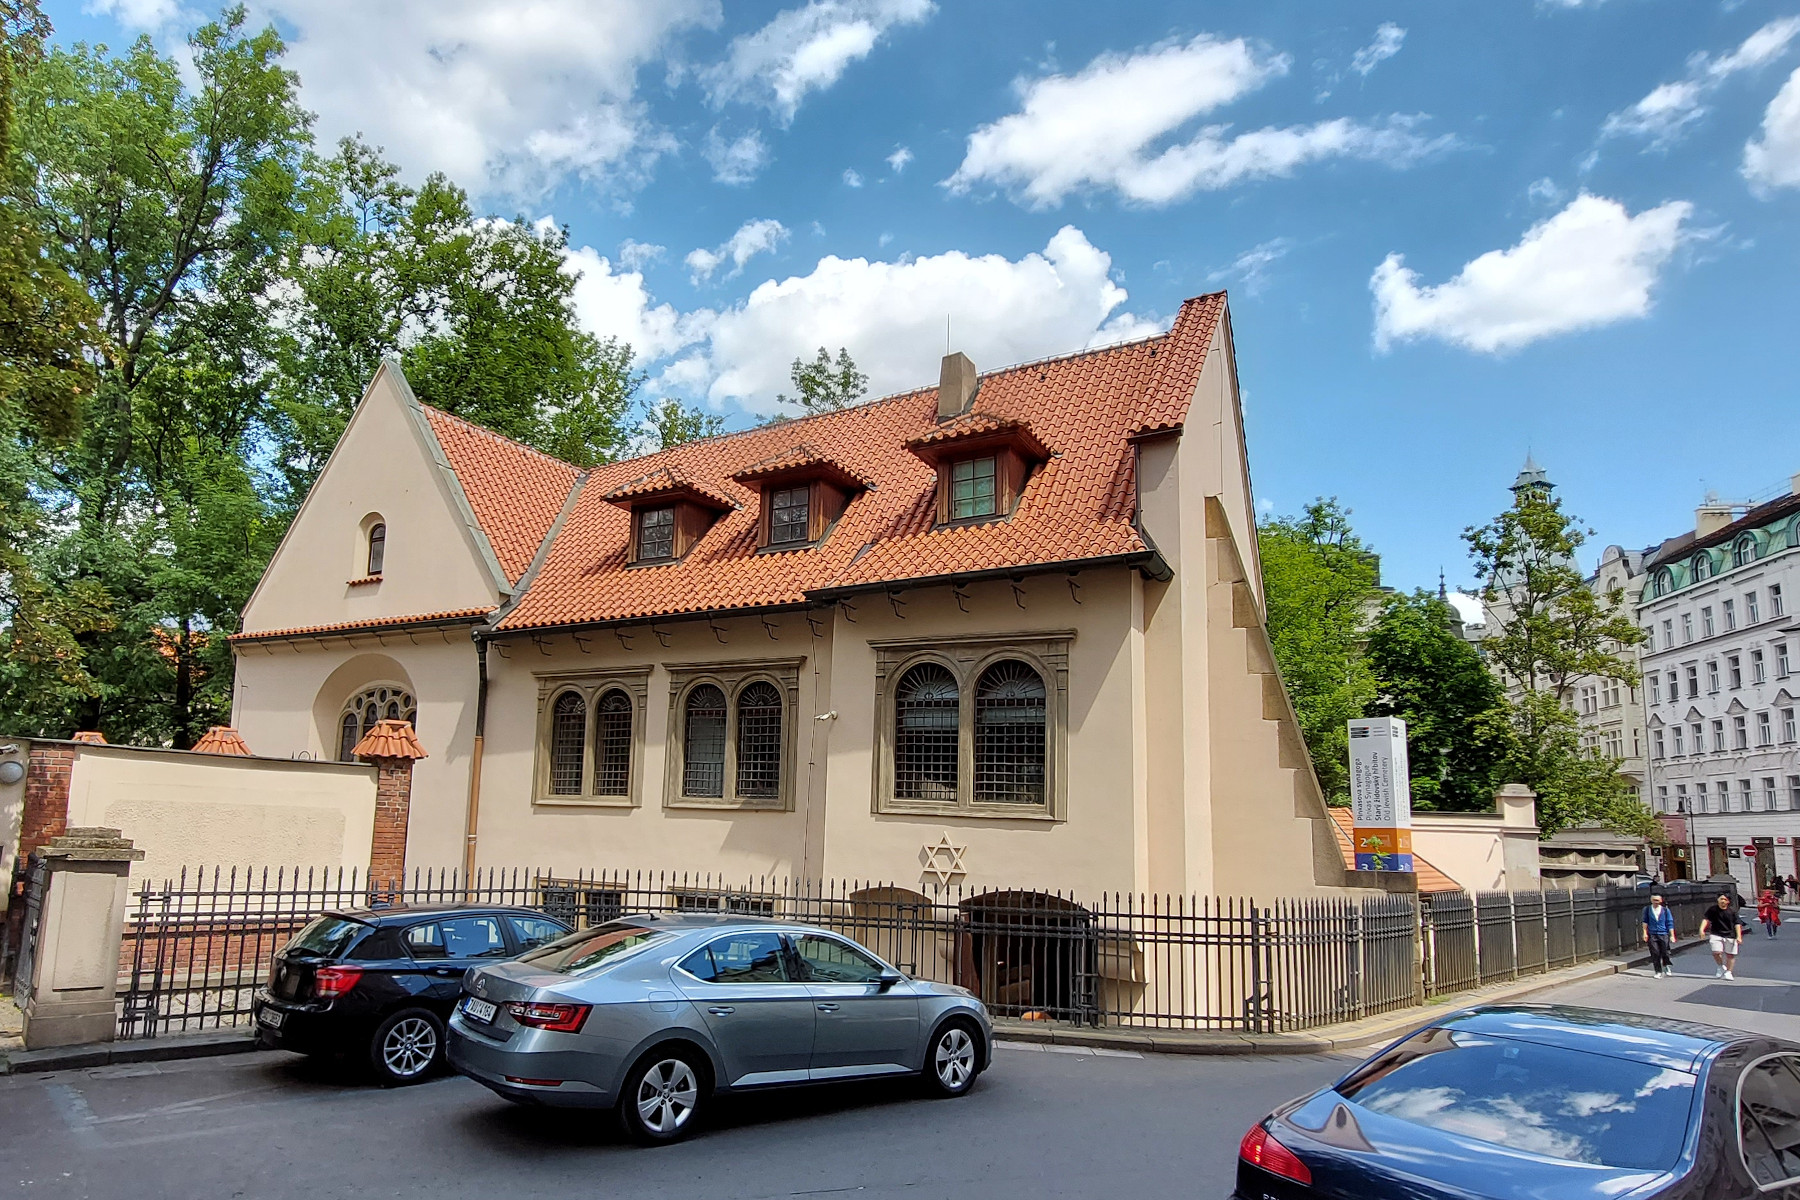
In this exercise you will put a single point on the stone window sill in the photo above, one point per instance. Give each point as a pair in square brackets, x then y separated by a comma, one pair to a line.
[585, 802]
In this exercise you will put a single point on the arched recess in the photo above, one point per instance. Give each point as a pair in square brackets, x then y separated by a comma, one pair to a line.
[352, 677]
[898, 924]
[1025, 952]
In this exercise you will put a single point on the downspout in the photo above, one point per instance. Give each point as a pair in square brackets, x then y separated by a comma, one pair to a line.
[474, 813]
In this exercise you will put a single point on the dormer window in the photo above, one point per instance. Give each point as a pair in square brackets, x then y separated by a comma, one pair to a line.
[972, 488]
[655, 533]
[669, 515]
[790, 513]
[983, 463]
[804, 492]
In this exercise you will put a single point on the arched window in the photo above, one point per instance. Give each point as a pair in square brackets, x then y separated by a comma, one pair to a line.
[703, 768]
[612, 745]
[1009, 735]
[1665, 582]
[1793, 533]
[383, 701]
[1702, 566]
[927, 717]
[1743, 553]
[759, 741]
[568, 729]
[377, 546]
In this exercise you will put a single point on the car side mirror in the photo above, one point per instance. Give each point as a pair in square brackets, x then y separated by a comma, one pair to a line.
[889, 979]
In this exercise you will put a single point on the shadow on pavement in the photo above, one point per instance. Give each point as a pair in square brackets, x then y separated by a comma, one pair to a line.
[1749, 995]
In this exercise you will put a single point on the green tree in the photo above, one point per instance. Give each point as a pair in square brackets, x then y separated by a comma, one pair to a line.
[670, 423]
[1320, 584]
[823, 385]
[1546, 628]
[1454, 709]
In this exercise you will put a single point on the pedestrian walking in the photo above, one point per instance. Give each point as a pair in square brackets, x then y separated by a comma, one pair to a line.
[1768, 911]
[1793, 887]
[1659, 935]
[1722, 926]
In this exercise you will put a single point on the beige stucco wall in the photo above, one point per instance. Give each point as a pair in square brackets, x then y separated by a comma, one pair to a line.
[289, 696]
[382, 465]
[197, 810]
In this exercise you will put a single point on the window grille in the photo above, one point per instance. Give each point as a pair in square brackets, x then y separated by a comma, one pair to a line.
[369, 706]
[377, 547]
[759, 741]
[703, 766]
[612, 745]
[790, 510]
[927, 715]
[568, 727]
[972, 492]
[1009, 735]
[656, 533]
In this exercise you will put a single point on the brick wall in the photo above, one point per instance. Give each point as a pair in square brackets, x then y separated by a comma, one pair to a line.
[393, 808]
[46, 812]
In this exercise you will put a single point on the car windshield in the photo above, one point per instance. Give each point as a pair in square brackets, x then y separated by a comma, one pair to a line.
[594, 947]
[326, 937]
[1545, 1100]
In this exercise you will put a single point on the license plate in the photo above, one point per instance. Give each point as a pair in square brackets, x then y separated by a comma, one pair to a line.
[271, 1018]
[481, 1010]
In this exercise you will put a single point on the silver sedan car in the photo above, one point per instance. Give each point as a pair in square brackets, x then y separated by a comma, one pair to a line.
[653, 1015]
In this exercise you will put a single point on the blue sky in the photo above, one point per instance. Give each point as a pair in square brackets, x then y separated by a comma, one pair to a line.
[1453, 232]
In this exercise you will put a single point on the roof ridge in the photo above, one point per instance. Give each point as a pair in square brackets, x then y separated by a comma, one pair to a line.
[495, 433]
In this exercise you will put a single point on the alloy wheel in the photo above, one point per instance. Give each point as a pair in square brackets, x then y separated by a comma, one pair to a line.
[667, 1095]
[955, 1058]
[410, 1047]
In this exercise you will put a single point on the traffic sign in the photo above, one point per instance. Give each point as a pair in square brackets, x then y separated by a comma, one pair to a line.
[1749, 851]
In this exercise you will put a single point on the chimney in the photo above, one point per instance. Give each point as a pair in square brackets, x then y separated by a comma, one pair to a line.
[1794, 485]
[1712, 515]
[956, 386]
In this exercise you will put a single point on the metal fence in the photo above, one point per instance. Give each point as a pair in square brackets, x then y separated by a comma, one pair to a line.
[197, 947]
[1499, 936]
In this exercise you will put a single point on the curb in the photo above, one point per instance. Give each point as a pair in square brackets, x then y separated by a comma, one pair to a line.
[1354, 1036]
[209, 1044]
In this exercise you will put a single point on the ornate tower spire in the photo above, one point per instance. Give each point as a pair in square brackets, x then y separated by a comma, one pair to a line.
[1531, 476]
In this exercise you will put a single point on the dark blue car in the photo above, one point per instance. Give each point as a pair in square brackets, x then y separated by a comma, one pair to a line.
[1530, 1102]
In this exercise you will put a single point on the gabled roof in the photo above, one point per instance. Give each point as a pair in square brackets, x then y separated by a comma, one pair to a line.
[1077, 510]
[975, 429]
[515, 491]
[669, 483]
[800, 460]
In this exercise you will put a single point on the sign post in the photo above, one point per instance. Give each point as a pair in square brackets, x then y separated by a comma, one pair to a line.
[1381, 794]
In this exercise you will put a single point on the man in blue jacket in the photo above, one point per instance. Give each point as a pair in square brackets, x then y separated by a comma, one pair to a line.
[1659, 933]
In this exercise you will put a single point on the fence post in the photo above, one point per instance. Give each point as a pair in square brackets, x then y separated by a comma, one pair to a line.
[1253, 1018]
[75, 965]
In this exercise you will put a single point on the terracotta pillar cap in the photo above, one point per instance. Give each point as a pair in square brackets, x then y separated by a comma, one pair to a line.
[390, 739]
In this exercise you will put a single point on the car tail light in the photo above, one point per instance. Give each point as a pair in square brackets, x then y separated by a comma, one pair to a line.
[1260, 1149]
[331, 982]
[558, 1018]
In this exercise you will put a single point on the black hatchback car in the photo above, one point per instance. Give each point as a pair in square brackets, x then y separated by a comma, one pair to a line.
[1524, 1102]
[380, 983]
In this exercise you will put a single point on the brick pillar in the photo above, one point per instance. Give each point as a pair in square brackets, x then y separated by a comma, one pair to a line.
[393, 748]
[46, 811]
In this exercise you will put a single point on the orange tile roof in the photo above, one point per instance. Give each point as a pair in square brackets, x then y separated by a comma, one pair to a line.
[516, 491]
[371, 624]
[222, 739]
[1079, 505]
[1430, 878]
[672, 482]
[390, 739]
[796, 459]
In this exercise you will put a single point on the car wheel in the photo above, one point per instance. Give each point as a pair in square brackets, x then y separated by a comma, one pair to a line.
[407, 1047]
[660, 1101]
[953, 1060]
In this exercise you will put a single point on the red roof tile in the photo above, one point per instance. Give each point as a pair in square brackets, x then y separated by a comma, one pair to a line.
[390, 739]
[796, 460]
[222, 739]
[516, 491]
[672, 483]
[371, 624]
[973, 428]
[1078, 506]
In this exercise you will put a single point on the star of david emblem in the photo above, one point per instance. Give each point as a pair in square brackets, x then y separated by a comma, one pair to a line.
[944, 861]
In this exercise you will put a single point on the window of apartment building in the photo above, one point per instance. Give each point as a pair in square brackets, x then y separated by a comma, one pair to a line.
[1788, 731]
[1706, 621]
[1751, 615]
[1637, 743]
[1656, 689]
[1743, 553]
[1730, 614]
[1769, 795]
[1781, 660]
[1609, 693]
[732, 734]
[1757, 671]
[1687, 627]
[1712, 675]
[1765, 730]
[1700, 567]
[1737, 671]
[1775, 600]
[1676, 736]
[1674, 688]
[1681, 797]
[1668, 632]
[1745, 798]
[1656, 743]
[1740, 733]
[1693, 682]
[1793, 791]
[976, 725]
[1718, 735]
[1615, 743]
[1588, 702]
[1662, 797]
[589, 734]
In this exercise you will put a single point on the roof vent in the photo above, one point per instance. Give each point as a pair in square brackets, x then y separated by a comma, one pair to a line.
[956, 386]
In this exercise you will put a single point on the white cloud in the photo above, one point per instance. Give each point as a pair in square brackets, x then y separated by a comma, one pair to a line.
[1251, 267]
[1665, 113]
[890, 316]
[1544, 191]
[1388, 38]
[635, 256]
[1772, 159]
[1591, 264]
[804, 50]
[898, 159]
[754, 237]
[852, 177]
[1102, 127]
[613, 303]
[736, 161]
[1468, 607]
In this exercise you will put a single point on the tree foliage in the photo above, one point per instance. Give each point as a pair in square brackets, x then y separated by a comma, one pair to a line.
[670, 423]
[823, 385]
[1320, 583]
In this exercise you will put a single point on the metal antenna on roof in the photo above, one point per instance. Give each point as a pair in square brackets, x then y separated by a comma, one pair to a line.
[946, 334]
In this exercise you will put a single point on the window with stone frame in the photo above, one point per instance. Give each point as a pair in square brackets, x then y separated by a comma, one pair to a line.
[732, 733]
[1751, 612]
[590, 736]
[973, 726]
